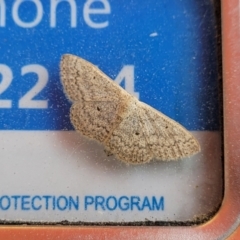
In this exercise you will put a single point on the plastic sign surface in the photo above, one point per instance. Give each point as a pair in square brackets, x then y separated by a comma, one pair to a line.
[164, 53]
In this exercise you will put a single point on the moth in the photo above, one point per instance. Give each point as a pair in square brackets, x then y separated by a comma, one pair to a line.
[129, 129]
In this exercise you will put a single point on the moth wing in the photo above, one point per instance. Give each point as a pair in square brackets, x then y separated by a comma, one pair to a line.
[167, 140]
[84, 81]
[127, 141]
[95, 119]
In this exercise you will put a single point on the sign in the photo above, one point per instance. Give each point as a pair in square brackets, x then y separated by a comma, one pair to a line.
[165, 53]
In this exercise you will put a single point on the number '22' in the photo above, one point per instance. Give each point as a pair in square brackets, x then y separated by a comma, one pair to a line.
[26, 101]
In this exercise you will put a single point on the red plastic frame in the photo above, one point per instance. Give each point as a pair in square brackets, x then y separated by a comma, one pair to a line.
[225, 224]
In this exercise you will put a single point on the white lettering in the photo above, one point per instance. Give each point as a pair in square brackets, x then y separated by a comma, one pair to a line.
[2, 13]
[7, 78]
[73, 7]
[27, 100]
[23, 24]
[127, 74]
[87, 10]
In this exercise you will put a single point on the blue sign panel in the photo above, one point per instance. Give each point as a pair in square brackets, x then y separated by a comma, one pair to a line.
[164, 52]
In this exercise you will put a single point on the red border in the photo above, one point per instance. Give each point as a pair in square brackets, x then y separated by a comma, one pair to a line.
[225, 223]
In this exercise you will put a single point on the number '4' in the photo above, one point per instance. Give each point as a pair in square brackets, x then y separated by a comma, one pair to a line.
[127, 74]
